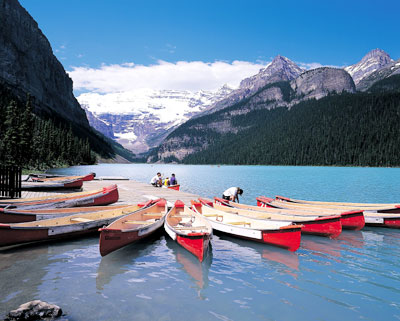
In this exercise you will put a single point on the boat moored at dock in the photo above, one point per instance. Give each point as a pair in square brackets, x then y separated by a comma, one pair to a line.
[282, 234]
[189, 229]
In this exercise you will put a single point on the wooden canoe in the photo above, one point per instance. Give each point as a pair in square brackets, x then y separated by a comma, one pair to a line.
[106, 195]
[373, 209]
[276, 233]
[57, 228]
[57, 178]
[174, 187]
[21, 215]
[132, 227]
[350, 219]
[345, 204]
[329, 226]
[189, 229]
[50, 185]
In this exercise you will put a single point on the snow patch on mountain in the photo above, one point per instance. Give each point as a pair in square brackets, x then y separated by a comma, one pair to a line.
[142, 118]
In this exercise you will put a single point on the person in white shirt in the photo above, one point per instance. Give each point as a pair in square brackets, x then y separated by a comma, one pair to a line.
[156, 181]
[232, 194]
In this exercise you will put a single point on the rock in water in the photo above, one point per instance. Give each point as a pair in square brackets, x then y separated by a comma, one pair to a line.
[35, 310]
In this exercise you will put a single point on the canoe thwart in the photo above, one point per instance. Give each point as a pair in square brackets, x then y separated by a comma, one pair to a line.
[137, 222]
[80, 219]
[190, 227]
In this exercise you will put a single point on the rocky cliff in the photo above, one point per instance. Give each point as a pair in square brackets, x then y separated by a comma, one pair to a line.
[28, 65]
[280, 69]
[317, 83]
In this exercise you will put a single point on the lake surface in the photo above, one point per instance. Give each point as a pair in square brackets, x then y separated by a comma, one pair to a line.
[354, 277]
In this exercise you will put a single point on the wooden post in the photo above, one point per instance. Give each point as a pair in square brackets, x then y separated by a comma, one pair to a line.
[10, 181]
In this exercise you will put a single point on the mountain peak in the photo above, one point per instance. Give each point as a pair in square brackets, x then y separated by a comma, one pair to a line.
[372, 61]
[280, 69]
[376, 53]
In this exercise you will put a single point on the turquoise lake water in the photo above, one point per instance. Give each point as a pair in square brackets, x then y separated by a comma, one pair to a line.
[354, 277]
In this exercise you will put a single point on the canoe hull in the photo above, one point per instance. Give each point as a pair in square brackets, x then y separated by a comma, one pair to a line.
[195, 244]
[10, 235]
[107, 195]
[352, 220]
[113, 237]
[112, 240]
[38, 185]
[288, 238]
[174, 187]
[20, 216]
[323, 226]
[383, 222]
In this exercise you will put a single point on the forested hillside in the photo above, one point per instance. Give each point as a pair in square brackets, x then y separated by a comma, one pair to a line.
[341, 129]
[44, 141]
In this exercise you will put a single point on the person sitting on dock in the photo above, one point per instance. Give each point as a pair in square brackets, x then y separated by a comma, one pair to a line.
[166, 182]
[232, 194]
[173, 180]
[156, 181]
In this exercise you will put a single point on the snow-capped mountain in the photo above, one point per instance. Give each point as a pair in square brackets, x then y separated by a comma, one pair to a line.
[372, 61]
[140, 119]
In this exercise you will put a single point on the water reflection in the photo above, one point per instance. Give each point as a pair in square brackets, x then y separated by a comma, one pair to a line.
[321, 246]
[18, 285]
[118, 262]
[352, 238]
[248, 249]
[198, 271]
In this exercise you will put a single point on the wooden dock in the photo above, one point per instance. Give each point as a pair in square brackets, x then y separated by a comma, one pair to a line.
[130, 192]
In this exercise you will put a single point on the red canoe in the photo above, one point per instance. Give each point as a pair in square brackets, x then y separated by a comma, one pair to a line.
[174, 187]
[350, 219]
[47, 185]
[106, 195]
[133, 227]
[189, 229]
[61, 227]
[329, 226]
[276, 233]
[56, 178]
[20, 215]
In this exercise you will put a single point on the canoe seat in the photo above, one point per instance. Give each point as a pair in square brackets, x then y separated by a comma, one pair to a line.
[80, 219]
[138, 222]
[190, 227]
[152, 214]
[240, 223]
[185, 215]
[211, 215]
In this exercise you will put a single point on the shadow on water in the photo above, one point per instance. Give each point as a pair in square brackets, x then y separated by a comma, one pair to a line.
[118, 262]
[198, 271]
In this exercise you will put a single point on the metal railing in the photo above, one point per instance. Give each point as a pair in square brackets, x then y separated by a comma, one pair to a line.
[10, 181]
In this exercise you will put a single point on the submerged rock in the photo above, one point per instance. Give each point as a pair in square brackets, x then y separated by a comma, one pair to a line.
[35, 310]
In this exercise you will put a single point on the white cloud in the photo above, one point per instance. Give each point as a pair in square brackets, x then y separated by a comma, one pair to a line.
[182, 75]
[313, 65]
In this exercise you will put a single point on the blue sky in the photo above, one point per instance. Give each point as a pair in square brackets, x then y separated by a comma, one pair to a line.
[92, 33]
